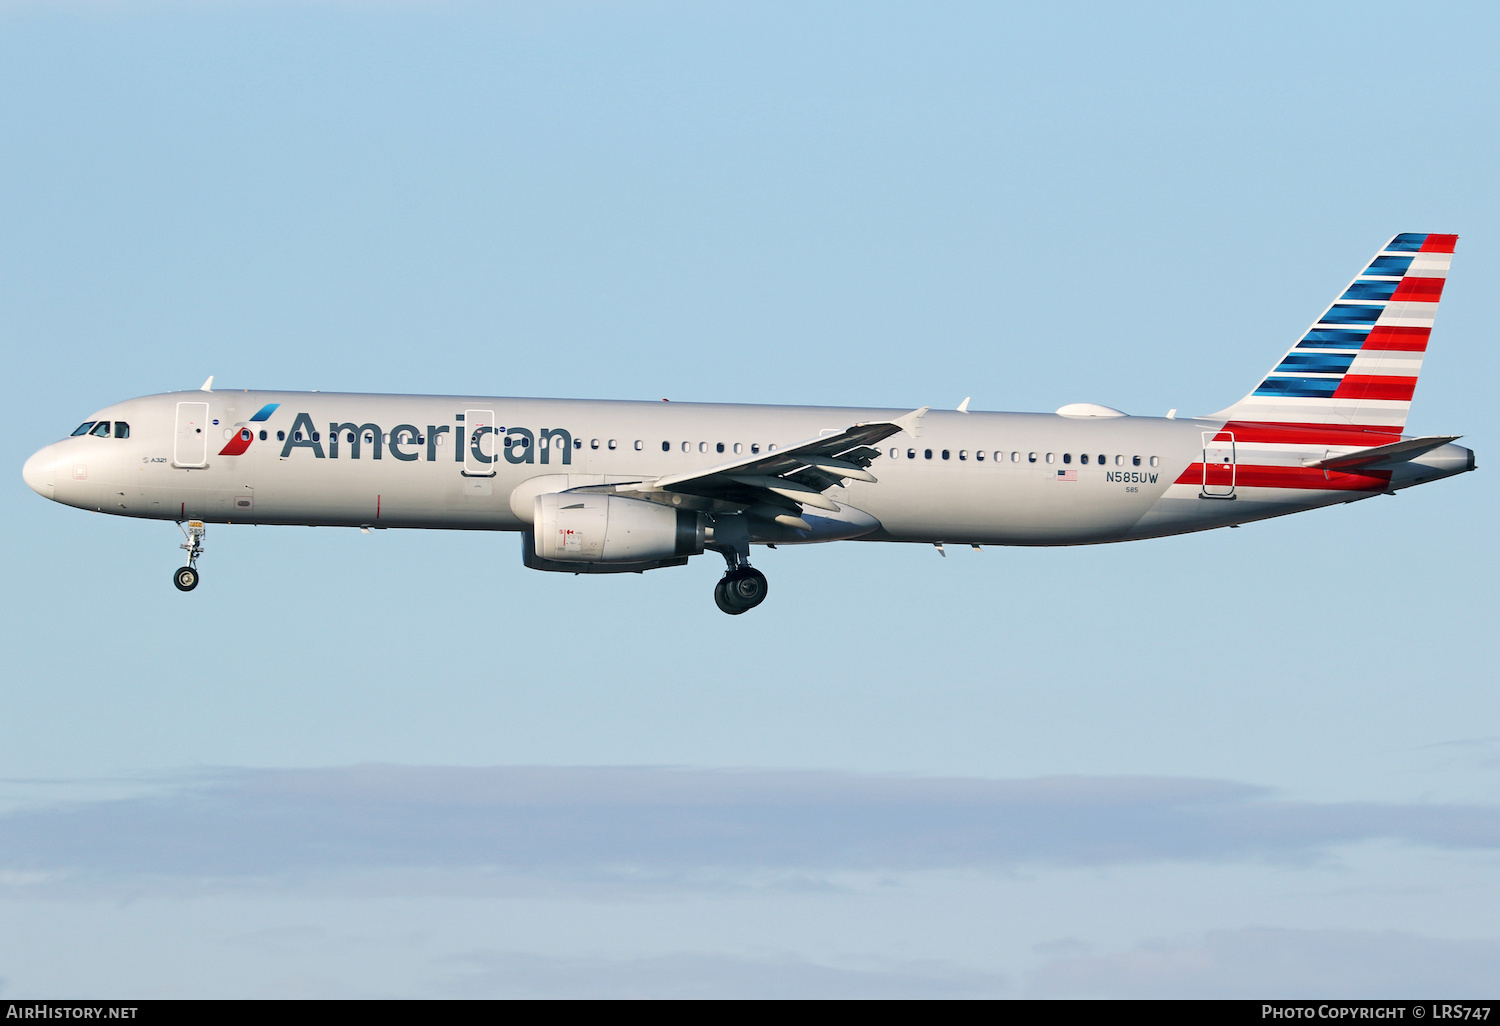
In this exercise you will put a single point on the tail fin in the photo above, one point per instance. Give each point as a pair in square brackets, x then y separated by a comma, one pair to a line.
[1357, 365]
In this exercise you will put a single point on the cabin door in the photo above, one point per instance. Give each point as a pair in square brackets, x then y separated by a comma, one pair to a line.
[190, 447]
[1218, 464]
[481, 443]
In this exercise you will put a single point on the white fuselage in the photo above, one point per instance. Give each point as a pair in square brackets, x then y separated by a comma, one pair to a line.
[983, 478]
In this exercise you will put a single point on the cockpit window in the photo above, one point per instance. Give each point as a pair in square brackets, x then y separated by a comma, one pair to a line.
[101, 429]
[83, 428]
[122, 429]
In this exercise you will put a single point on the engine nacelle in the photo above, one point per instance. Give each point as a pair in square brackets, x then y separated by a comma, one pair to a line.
[587, 527]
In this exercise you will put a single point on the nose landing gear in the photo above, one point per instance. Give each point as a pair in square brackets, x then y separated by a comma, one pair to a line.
[186, 578]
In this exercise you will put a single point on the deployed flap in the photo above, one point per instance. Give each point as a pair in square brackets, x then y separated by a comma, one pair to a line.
[1396, 452]
[787, 478]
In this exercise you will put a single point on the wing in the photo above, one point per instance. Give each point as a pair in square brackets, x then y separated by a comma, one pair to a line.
[776, 485]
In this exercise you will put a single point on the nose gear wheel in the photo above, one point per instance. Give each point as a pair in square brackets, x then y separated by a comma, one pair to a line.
[186, 578]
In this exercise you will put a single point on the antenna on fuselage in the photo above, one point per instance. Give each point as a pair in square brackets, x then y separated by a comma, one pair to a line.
[963, 407]
[207, 386]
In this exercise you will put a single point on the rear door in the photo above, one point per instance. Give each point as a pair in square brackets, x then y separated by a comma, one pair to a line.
[1218, 464]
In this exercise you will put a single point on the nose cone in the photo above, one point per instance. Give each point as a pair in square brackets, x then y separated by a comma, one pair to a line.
[39, 471]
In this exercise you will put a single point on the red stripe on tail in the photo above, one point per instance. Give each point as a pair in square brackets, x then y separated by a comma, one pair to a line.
[1359, 436]
[1376, 386]
[1406, 340]
[1419, 290]
[1248, 476]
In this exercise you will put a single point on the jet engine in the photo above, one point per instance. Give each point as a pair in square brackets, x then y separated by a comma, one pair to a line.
[586, 532]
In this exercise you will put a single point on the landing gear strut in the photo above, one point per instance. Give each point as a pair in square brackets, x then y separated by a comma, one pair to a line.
[186, 578]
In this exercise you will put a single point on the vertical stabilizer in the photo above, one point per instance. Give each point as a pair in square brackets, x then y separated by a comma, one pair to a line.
[1357, 365]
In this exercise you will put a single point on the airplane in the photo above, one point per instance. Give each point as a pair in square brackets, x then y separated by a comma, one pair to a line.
[625, 486]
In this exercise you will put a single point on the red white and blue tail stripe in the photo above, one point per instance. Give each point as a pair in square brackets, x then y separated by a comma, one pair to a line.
[1357, 366]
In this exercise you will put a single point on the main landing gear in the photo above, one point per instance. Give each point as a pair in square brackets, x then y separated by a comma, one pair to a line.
[742, 587]
[186, 577]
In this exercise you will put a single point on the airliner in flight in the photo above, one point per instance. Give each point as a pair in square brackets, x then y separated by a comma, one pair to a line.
[619, 487]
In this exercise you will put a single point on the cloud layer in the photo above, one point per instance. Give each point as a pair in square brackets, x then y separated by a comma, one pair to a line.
[572, 822]
[1286, 964]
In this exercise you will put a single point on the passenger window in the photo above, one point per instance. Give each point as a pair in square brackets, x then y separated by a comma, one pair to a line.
[317, 436]
[611, 443]
[84, 428]
[122, 429]
[978, 455]
[101, 429]
[771, 447]
[1050, 457]
[297, 436]
[687, 446]
[911, 454]
[945, 454]
[1067, 457]
[1154, 461]
[1135, 461]
[666, 447]
[895, 453]
[1119, 461]
[1031, 457]
[1015, 457]
[578, 443]
[737, 448]
[637, 445]
[963, 454]
[1083, 457]
[927, 453]
[754, 447]
[719, 447]
[245, 434]
[262, 435]
[594, 443]
[281, 436]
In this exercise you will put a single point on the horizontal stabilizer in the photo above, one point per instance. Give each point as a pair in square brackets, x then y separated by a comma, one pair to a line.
[1382, 455]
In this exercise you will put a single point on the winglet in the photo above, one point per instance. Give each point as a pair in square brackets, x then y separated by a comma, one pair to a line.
[963, 407]
[207, 386]
[911, 422]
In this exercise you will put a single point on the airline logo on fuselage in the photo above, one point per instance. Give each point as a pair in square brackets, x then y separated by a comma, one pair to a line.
[408, 442]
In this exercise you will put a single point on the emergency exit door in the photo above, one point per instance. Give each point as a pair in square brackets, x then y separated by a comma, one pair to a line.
[481, 443]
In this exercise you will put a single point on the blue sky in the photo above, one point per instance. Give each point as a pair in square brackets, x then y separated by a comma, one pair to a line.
[1259, 761]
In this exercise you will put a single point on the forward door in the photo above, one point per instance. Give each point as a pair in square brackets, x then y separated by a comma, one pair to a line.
[190, 445]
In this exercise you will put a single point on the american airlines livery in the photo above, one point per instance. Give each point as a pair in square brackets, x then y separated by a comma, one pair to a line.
[617, 487]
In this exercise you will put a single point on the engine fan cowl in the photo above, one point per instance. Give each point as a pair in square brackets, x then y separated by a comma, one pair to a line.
[586, 527]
